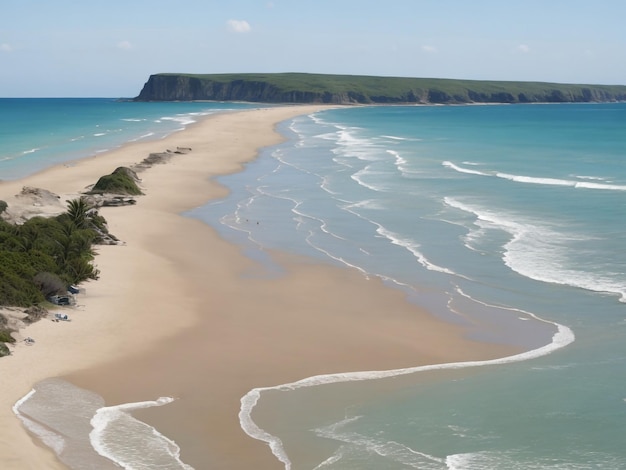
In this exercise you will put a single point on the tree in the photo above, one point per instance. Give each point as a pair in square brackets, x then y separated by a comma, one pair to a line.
[77, 210]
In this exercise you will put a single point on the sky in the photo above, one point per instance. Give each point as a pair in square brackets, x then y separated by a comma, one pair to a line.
[109, 48]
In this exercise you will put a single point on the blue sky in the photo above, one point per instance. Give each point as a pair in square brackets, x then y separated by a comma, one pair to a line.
[109, 48]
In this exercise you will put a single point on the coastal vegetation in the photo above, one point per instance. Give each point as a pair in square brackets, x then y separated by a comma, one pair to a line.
[123, 180]
[354, 89]
[45, 255]
[41, 257]
[5, 337]
[47, 251]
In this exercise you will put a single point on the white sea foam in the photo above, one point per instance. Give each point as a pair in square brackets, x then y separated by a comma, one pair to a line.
[390, 450]
[349, 145]
[51, 439]
[412, 248]
[540, 252]
[130, 443]
[336, 457]
[505, 225]
[525, 314]
[339, 259]
[548, 181]
[402, 164]
[404, 139]
[73, 422]
[317, 119]
[370, 204]
[396, 239]
[393, 137]
[535, 180]
[325, 185]
[362, 174]
[399, 161]
[514, 460]
[332, 136]
[592, 178]
[185, 120]
[463, 170]
[561, 338]
[21, 401]
[603, 186]
[248, 402]
[141, 137]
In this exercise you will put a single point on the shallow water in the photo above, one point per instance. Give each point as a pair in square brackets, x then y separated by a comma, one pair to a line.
[84, 433]
[481, 214]
[36, 134]
[492, 214]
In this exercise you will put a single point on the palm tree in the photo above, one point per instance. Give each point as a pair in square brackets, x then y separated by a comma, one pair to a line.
[77, 211]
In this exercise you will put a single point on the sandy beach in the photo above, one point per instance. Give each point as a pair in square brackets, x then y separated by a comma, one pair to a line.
[180, 312]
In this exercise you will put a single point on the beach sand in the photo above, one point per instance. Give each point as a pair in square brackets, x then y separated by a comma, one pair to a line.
[180, 312]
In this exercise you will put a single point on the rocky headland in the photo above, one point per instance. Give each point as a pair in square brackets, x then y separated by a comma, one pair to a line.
[298, 88]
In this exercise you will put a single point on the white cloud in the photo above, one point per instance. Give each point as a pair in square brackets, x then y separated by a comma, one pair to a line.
[429, 49]
[4, 47]
[523, 48]
[239, 26]
[124, 45]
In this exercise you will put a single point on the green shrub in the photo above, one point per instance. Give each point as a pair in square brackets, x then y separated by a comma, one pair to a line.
[121, 181]
[44, 255]
[16, 281]
[5, 337]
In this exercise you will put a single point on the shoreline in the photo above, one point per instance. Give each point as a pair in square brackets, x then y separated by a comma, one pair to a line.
[242, 325]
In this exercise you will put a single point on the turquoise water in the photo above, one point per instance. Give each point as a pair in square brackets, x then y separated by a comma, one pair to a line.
[496, 213]
[36, 133]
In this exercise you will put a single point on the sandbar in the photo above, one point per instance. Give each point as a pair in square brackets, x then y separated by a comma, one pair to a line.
[177, 313]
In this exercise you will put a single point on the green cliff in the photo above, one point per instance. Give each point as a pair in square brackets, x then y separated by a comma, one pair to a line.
[353, 89]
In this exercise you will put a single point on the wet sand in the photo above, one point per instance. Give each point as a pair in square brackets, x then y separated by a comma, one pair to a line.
[180, 312]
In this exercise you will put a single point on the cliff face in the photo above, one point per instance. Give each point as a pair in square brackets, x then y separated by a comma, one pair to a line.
[305, 88]
[187, 88]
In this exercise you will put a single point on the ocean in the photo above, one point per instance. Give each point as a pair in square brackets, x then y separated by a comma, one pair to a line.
[36, 133]
[508, 219]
